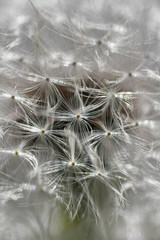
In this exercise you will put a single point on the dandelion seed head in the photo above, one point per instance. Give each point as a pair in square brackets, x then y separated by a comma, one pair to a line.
[80, 144]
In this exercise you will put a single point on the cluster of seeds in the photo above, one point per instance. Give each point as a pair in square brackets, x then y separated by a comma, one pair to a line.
[79, 119]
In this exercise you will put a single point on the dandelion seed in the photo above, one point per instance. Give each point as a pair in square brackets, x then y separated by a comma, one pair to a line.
[78, 116]
[21, 59]
[99, 42]
[43, 131]
[74, 63]
[109, 133]
[136, 124]
[13, 97]
[47, 79]
[130, 74]
[16, 153]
